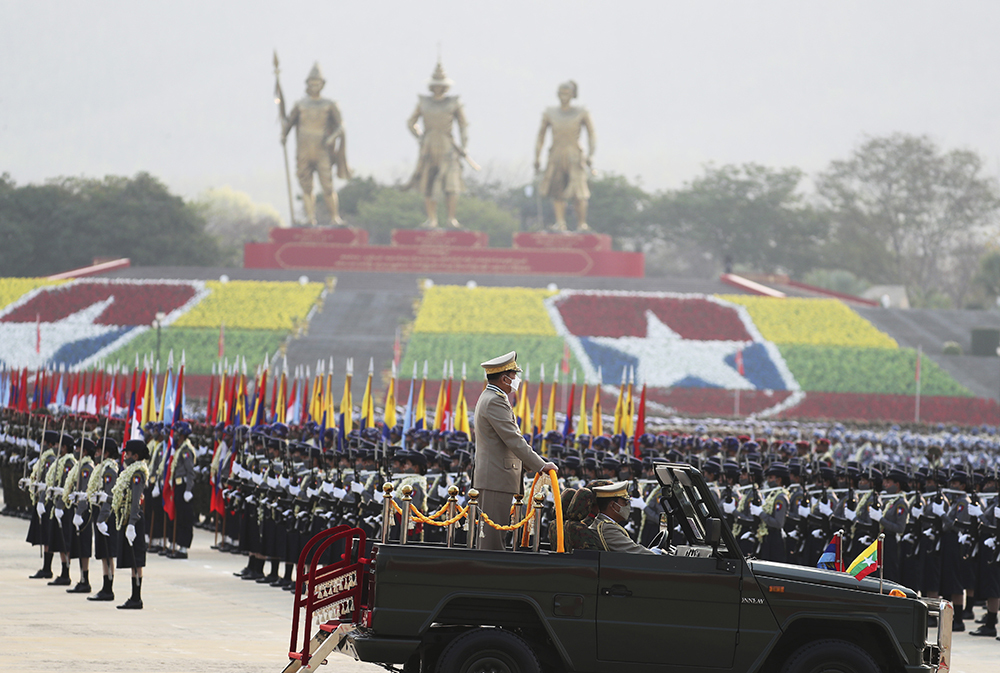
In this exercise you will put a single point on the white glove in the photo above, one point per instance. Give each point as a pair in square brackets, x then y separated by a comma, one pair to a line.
[729, 507]
[40, 486]
[937, 508]
[102, 497]
[59, 513]
[77, 521]
[188, 495]
[156, 491]
[40, 508]
[928, 532]
[130, 533]
[57, 491]
[746, 535]
[102, 528]
[990, 542]
[917, 512]
[23, 482]
[963, 538]
[656, 550]
[850, 514]
[865, 540]
[818, 533]
[804, 511]
[975, 510]
[794, 534]
[756, 509]
[825, 509]
[875, 514]
[249, 500]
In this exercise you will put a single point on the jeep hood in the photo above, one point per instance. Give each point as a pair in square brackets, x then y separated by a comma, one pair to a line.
[782, 571]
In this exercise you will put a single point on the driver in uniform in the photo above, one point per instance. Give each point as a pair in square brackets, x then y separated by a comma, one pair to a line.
[614, 507]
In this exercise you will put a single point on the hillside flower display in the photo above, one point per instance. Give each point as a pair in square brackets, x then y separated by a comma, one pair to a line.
[251, 304]
[12, 289]
[817, 322]
[452, 309]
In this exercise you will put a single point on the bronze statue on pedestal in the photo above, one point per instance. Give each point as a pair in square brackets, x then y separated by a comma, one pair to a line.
[320, 144]
[565, 177]
[439, 168]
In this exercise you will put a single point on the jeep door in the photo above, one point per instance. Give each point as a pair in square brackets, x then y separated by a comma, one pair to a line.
[668, 609]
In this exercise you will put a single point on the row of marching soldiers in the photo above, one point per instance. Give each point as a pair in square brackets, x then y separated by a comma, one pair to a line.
[939, 525]
[83, 494]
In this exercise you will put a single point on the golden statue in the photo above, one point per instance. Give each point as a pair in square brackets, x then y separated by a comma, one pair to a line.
[439, 169]
[566, 174]
[318, 127]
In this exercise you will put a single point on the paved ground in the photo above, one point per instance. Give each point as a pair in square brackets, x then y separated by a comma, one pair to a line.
[197, 618]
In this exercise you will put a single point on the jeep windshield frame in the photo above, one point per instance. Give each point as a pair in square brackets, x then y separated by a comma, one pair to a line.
[690, 504]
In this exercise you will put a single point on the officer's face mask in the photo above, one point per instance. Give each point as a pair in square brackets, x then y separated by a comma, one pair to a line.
[515, 383]
[624, 511]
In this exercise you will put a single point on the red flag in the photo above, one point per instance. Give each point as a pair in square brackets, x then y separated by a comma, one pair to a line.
[739, 363]
[22, 393]
[640, 424]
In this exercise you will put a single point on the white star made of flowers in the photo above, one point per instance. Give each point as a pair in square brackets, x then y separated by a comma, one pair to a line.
[666, 358]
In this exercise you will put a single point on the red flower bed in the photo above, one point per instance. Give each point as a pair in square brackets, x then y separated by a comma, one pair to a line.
[625, 315]
[714, 401]
[899, 408]
[135, 303]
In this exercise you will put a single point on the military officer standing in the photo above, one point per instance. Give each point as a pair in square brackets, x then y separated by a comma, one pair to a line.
[501, 452]
[126, 506]
[182, 478]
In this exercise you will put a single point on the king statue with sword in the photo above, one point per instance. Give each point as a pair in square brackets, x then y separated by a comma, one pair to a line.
[320, 144]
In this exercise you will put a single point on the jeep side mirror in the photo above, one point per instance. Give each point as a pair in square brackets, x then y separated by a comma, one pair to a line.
[714, 532]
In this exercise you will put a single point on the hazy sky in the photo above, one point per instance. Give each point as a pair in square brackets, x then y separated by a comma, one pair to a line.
[183, 90]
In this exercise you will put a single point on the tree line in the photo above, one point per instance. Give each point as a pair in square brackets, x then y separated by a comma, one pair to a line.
[899, 210]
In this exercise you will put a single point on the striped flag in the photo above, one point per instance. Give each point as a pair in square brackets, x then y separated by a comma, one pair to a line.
[867, 561]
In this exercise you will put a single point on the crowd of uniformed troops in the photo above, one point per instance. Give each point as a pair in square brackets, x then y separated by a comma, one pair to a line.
[265, 491]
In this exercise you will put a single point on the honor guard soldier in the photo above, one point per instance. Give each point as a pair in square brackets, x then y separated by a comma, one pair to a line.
[501, 451]
[59, 519]
[772, 514]
[38, 529]
[181, 477]
[126, 505]
[892, 519]
[80, 537]
[99, 491]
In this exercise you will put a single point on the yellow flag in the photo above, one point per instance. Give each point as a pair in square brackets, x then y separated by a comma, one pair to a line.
[347, 402]
[598, 421]
[582, 426]
[420, 414]
[368, 405]
[462, 411]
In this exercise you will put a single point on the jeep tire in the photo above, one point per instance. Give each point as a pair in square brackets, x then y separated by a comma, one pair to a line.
[830, 656]
[481, 650]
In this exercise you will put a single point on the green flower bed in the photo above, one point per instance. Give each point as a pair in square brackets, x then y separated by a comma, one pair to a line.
[472, 349]
[842, 369]
[201, 347]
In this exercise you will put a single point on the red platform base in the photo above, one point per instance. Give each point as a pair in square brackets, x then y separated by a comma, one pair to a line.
[441, 252]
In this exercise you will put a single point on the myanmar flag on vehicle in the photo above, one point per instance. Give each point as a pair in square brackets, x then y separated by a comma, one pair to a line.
[867, 561]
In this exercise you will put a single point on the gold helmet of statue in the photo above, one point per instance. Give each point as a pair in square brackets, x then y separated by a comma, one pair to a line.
[438, 78]
[315, 73]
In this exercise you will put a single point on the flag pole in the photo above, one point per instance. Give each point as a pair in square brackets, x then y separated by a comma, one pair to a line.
[916, 410]
[839, 562]
[881, 539]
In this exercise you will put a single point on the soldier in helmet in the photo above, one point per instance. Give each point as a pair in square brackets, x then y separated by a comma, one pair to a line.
[318, 125]
[439, 169]
[182, 479]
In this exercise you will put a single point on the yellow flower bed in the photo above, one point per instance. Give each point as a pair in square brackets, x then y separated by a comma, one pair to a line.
[484, 310]
[11, 289]
[251, 304]
[819, 322]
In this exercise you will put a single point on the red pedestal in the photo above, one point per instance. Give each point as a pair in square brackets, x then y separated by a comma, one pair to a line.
[439, 259]
[562, 241]
[451, 238]
[335, 235]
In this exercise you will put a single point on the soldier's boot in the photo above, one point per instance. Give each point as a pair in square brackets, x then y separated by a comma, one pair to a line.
[83, 586]
[106, 593]
[63, 579]
[272, 576]
[256, 569]
[956, 622]
[287, 579]
[968, 613]
[989, 627]
[135, 600]
[46, 570]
